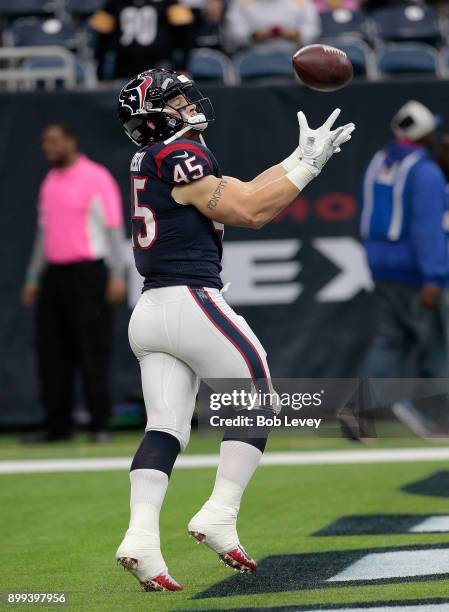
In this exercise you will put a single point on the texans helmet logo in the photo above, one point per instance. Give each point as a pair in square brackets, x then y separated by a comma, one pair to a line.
[133, 95]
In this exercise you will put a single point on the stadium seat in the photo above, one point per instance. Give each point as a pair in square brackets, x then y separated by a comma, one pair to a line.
[361, 55]
[39, 63]
[342, 22]
[260, 64]
[407, 23]
[37, 32]
[211, 65]
[26, 8]
[408, 58]
[52, 65]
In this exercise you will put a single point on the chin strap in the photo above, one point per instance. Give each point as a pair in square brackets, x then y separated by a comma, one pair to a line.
[178, 134]
[197, 123]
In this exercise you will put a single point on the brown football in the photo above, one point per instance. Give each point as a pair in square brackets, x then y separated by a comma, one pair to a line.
[322, 67]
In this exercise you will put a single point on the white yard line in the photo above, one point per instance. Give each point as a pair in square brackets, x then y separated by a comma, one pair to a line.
[393, 455]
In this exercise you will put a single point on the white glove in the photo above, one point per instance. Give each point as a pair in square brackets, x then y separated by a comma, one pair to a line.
[315, 148]
[292, 160]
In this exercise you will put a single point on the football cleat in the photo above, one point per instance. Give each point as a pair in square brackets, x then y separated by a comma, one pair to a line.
[162, 582]
[239, 560]
[140, 554]
[215, 526]
[236, 558]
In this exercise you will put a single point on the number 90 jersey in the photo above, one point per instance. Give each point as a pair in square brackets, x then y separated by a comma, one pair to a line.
[174, 244]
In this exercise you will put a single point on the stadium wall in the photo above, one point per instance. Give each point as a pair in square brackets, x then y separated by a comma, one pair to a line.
[301, 282]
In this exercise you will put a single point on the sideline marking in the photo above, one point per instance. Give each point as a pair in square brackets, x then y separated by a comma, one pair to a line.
[200, 461]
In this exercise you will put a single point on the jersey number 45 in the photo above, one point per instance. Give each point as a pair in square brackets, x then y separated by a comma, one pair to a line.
[186, 171]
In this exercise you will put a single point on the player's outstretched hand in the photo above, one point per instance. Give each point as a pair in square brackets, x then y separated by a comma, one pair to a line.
[316, 147]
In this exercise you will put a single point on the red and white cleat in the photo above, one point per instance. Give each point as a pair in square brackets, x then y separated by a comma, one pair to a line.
[140, 554]
[235, 558]
[163, 582]
[215, 526]
[239, 560]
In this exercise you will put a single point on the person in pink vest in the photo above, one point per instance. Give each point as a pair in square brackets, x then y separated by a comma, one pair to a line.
[80, 227]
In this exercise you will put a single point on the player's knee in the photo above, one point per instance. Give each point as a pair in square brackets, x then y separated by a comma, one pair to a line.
[182, 434]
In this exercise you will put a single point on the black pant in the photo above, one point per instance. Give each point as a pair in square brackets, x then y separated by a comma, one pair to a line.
[73, 329]
[404, 328]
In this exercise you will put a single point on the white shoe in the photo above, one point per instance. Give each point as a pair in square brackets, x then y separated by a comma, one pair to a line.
[140, 554]
[215, 526]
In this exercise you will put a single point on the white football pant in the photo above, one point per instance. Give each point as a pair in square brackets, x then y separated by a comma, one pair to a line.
[180, 335]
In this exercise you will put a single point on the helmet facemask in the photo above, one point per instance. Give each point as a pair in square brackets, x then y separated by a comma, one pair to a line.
[204, 112]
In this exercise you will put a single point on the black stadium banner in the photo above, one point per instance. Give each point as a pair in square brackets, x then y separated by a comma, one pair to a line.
[301, 281]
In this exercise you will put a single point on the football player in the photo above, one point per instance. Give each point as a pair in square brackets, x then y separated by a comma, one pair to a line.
[182, 329]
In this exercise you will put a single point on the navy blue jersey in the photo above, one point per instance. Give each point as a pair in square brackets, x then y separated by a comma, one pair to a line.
[174, 244]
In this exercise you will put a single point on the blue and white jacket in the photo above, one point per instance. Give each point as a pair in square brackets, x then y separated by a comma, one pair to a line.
[403, 200]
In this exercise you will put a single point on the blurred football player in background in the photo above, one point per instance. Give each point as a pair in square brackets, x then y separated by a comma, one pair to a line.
[373, 5]
[133, 33]
[80, 225]
[334, 5]
[182, 329]
[209, 18]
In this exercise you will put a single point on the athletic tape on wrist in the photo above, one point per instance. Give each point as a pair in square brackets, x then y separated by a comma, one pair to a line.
[290, 162]
[300, 176]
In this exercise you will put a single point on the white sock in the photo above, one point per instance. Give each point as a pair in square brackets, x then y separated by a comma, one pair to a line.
[148, 488]
[142, 540]
[238, 462]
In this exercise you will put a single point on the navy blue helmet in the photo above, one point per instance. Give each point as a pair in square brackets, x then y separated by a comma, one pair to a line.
[146, 98]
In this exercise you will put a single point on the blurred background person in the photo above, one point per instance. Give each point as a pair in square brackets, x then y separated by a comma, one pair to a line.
[134, 34]
[333, 5]
[275, 25]
[403, 200]
[80, 224]
[372, 5]
[403, 208]
[443, 158]
[441, 6]
[209, 18]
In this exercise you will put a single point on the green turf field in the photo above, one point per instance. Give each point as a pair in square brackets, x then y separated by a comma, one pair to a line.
[59, 533]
